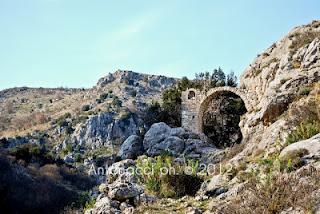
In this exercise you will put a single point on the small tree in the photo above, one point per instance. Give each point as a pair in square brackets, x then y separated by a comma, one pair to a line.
[152, 113]
[218, 78]
[86, 107]
[232, 79]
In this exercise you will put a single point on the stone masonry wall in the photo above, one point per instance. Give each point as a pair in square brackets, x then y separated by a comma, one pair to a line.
[195, 102]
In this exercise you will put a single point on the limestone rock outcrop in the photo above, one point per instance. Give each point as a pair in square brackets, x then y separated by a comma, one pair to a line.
[135, 79]
[100, 129]
[312, 145]
[282, 77]
[161, 139]
[131, 148]
[121, 192]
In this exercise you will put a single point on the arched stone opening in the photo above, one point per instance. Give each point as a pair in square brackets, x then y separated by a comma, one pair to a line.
[219, 117]
[191, 95]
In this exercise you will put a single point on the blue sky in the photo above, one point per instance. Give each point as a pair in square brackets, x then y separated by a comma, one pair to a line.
[72, 43]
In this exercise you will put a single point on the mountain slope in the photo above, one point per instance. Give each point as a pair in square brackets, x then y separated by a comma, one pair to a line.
[23, 110]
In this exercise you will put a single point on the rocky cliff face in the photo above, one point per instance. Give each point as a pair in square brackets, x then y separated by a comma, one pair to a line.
[154, 82]
[286, 65]
[104, 128]
[134, 91]
[284, 79]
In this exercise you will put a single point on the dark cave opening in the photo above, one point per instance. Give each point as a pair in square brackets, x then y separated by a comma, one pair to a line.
[221, 119]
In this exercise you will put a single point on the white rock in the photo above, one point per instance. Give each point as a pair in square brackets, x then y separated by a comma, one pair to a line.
[312, 145]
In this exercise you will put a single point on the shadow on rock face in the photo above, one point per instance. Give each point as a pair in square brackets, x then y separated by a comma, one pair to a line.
[221, 119]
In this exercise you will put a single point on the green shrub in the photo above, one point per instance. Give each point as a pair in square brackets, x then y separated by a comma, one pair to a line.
[153, 114]
[79, 119]
[30, 152]
[304, 91]
[89, 204]
[256, 72]
[61, 121]
[292, 160]
[77, 157]
[296, 64]
[179, 185]
[125, 115]
[69, 130]
[101, 151]
[99, 101]
[86, 108]
[168, 180]
[304, 131]
[116, 102]
[67, 150]
[104, 96]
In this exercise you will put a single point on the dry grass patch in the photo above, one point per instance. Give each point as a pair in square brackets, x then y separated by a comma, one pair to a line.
[276, 193]
[300, 40]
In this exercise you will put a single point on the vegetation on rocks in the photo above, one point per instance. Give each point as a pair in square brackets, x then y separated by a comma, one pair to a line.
[301, 39]
[274, 194]
[163, 177]
[29, 172]
[303, 131]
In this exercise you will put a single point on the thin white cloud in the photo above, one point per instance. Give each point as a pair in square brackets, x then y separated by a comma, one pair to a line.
[124, 47]
[134, 27]
[117, 45]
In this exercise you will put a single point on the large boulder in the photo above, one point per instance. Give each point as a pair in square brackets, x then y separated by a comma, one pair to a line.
[275, 107]
[312, 145]
[162, 139]
[106, 206]
[205, 152]
[121, 171]
[216, 186]
[157, 133]
[123, 191]
[172, 145]
[131, 148]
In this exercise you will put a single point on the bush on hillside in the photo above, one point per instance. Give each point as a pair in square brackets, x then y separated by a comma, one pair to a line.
[85, 108]
[303, 39]
[39, 189]
[32, 153]
[304, 131]
[61, 121]
[275, 193]
[293, 160]
[172, 183]
[304, 91]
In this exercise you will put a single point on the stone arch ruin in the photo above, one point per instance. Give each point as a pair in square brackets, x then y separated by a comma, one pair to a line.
[195, 102]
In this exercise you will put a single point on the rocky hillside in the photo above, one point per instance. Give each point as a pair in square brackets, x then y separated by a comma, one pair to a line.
[276, 167]
[285, 78]
[23, 110]
[273, 168]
